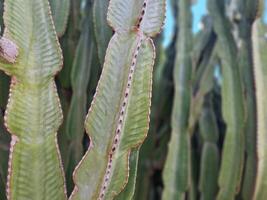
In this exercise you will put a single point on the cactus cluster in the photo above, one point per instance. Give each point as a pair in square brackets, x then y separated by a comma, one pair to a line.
[91, 109]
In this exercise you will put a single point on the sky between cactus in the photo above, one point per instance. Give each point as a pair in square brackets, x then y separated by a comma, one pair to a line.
[198, 10]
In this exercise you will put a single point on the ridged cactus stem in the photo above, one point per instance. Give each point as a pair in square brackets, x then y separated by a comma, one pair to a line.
[33, 113]
[80, 77]
[102, 31]
[232, 105]
[209, 167]
[177, 167]
[244, 14]
[260, 71]
[60, 11]
[118, 119]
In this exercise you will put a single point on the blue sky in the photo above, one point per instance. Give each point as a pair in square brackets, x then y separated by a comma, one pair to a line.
[198, 9]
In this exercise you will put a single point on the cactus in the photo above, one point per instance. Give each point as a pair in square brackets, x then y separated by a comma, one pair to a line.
[207, 123]
[80, 75]
[247, 10]
[33, 112]
[119, 115]
[129, 189]
[152, 152]
[260, 61]
[210, 154]
[102, 31]
[203, 61]
[177, 166]
[69, 43]
[233, 109]
[60, 11]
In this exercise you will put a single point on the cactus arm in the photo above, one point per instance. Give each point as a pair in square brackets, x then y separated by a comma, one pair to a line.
[205, 83]
[95, 164]
[153, 20]
[154, 149]
[260, 72]
[204, 58]
[250, 126]
[69, 43]
[118, 117]
[193, 190]
[209, 171]
[129, 190]
[122, 19]
[247, 10]
[102, 31]
[177, 166]
[80, 76]
[209, 164]
[233, 111]
[203, 42]
[33, 112]
[60, 11]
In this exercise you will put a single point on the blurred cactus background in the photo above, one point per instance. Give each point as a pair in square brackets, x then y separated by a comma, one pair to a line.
[202, 141]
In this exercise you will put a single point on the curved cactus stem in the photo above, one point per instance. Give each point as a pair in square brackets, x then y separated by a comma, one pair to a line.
[233, 106]
[176, 173]
[260, 71]
[102, 31]
[118, 118]
[209, 167]
[129, 190]
[80, 76]
[60, 11]
[69, 43]
[244, 13]
[33, 112]
[204, 60]
[153, 151]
